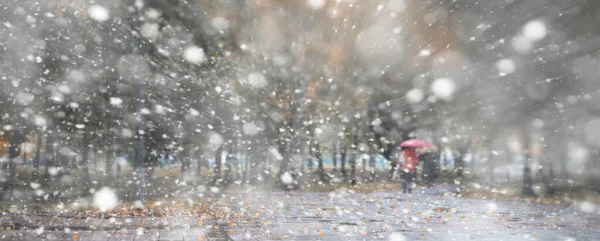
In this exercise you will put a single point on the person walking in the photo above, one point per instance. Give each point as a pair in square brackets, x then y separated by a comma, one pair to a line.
[408, 172]
[429, 159]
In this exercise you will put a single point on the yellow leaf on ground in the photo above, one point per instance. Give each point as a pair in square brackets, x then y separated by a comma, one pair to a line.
[320, 233]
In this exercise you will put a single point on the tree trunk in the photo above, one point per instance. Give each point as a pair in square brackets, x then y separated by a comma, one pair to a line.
[491, 164]
[285, 153]
[24, 156]
[108, 166]
[184, 159]
[387, 154]
[199, 162]
[84, 161]
[320, 162]
[150, 162]
[36, 159]
[94, 161]
[527, 189]
[50, 157]
[364, 160]
[564, 174]
[185, 156]
[218, 163]
[139, 165]
[259, 167]
[108, 162]
[343, 152]
[245, 178]
[118, 173]
[311, 155]
[334, 157]
[15, 148]
[393, 166]
[229, 163]
[459, 163]
[353, 160]
[373, 161]
[241, 161]
[12, 172]
[71, 162]
[550, 177]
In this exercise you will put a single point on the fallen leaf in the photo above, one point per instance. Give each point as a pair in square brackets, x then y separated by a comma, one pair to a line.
[320, 233]
[75, 237]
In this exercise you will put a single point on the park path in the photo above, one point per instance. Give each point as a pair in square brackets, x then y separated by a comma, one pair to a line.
[340, 215]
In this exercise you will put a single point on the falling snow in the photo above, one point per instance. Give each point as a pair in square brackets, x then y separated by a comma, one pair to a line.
[299, 120]
[194, 55]
[443, 88]
[105, 199]
[99, 13]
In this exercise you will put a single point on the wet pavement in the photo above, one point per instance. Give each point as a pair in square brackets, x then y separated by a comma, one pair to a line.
[339, 215]
[381, 216]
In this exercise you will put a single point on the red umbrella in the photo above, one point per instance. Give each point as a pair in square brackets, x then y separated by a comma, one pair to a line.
[415, 143]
